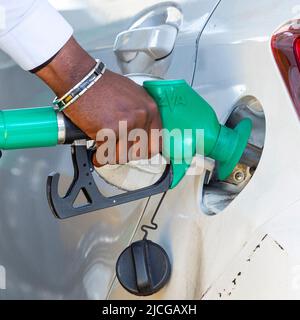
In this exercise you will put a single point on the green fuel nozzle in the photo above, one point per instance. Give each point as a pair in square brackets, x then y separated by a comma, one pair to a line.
[181, 109]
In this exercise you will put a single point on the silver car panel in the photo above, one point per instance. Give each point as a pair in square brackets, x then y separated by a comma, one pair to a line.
[44, 257]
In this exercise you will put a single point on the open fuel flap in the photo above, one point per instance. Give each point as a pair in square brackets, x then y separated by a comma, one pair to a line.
[216, 194]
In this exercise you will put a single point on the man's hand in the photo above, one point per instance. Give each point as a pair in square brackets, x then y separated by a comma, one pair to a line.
[112, 99]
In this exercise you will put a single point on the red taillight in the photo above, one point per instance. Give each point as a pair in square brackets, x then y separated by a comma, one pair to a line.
[297, 51]
[286, 49]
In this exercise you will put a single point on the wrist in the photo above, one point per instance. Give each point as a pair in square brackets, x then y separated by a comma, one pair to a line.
[67, 68]
[81, 87]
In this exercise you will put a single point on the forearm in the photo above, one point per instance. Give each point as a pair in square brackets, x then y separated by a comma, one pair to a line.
[67, 68]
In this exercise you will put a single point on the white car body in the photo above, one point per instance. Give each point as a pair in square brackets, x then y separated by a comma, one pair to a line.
[249, 250]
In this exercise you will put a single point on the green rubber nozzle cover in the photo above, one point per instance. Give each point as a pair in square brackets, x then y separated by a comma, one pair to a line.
[192, 124]
[28, 128]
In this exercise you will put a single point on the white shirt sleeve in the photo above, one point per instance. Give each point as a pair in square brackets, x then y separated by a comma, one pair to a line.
[31, 31]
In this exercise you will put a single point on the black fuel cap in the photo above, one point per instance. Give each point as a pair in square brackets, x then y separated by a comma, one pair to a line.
[143, 268]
